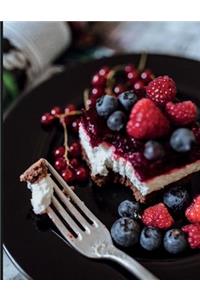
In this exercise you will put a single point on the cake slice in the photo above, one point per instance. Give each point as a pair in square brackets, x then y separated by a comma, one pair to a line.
[142, 148]
[39, 182]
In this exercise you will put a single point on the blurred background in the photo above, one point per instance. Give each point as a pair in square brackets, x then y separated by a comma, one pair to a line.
[35, 51]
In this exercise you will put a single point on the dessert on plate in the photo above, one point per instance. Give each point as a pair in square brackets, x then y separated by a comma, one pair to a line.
[145, 141]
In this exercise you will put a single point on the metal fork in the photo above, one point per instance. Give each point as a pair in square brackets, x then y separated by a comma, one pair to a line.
[83, 230]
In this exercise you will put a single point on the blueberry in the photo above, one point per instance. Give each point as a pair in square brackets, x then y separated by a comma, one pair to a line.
[128, 99]
[106, 105]
[153, 150]
[182, 140]
[116, 120]
[175, 241]
[176, 198]
[150, 238]
[129, 209]
[125, 232]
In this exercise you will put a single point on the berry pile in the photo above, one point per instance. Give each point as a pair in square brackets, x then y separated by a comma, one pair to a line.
[67, 158]
[159, 226]
[117, 80]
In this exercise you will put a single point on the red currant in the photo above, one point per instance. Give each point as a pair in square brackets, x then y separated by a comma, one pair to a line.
[59, 152]
[146, 76]
[82, 174]
[129, 68]
[118, 89]
[139, 85]
[98, 80]
[68, 175]
[104, 71]
[69, 108]
[47, 119]
[96, 92]
[75, 149]
[56, 111]
[132, 75]
[74, 163]
[60, 164]
[75, 126]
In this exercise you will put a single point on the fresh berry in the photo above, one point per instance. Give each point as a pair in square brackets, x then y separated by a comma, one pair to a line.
[138, 86]
[125, 232]
[182, 113]
[106, 105]
[157, 216]
[104, 71]
[129, 209]
[56, 111]
[118, 89]
[116, 120]
[128, 99]
[150, 238]
[176, 198]
[98, 80]
[133, 76]
[193, 211]
[193, 233]
[70, 108]
[75, 149]
[129, 68]
[74, 163]
[82, 174]
[68, 175]
[47, 119]
[96, 92]
[147, 121]
[60, 164]
[175, 241]
[146, 76]
[75, 126]
[59, 152]
[153, 150]
[182, 140]
[161, 90]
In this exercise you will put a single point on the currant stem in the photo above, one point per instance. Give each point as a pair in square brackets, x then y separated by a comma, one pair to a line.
[85, 98]
[142, 62]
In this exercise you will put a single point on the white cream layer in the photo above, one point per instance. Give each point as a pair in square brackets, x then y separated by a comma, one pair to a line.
[102, 159]
[42, 192]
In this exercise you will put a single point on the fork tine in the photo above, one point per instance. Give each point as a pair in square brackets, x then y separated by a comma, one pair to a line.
[67, 217]
[61, 227]
[71, 207]
[74, 197]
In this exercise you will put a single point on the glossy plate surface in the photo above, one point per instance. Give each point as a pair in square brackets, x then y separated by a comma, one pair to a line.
[42, 254]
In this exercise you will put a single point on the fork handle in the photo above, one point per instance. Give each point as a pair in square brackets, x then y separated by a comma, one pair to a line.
[129, 263]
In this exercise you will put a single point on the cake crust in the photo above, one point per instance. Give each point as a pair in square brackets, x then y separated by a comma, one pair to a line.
[35, 172]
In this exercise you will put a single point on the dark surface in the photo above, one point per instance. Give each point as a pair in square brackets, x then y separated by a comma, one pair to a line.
[43, 254]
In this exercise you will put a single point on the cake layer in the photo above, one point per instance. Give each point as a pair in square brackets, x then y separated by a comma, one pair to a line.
[103, 157]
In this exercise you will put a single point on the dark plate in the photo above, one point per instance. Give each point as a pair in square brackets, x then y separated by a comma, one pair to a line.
[43, 254]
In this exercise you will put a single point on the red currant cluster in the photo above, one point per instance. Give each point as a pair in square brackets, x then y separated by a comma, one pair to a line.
[108, 81]
[67, 159]
[73, 169]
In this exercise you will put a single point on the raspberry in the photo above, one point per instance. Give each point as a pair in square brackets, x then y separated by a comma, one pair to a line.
[182, 113]
[157, 216]
[193, 232]
[193, 211]
[147, 121]
[161, 90]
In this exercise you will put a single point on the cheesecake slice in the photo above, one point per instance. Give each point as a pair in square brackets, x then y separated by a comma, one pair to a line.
[118, 157]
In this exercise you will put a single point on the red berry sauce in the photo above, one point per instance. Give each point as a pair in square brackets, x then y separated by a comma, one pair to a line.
[132, 149]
